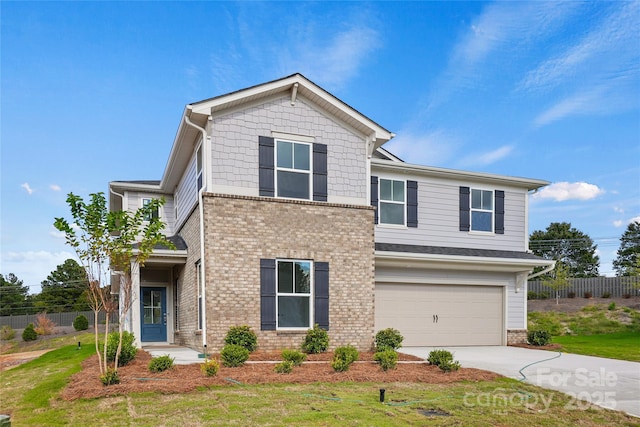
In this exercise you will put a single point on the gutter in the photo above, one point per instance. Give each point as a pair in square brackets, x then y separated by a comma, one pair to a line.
[540, 273]
[203, 273]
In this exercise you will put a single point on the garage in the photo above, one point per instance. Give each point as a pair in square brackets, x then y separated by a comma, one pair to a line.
[441, 315]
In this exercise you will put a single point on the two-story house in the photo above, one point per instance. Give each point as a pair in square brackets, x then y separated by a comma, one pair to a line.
[287, 212]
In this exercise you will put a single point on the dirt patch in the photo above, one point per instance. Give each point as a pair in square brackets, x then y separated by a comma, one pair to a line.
[136, 377]
[570, 305]
[8, 361]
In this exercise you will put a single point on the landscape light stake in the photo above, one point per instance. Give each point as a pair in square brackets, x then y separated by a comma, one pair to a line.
[382, 395]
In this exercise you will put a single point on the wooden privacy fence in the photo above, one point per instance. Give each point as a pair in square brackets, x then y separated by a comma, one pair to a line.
[596, 286]
[60, 319]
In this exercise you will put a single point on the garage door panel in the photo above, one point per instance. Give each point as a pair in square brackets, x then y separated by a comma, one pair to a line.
[466, 315]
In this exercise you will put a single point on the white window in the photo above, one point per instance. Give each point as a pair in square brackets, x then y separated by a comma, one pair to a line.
[293, 308]
[199, 167]
[392, 201]
[293, 170]
[481, 210]
[200, 286]
[155, 213]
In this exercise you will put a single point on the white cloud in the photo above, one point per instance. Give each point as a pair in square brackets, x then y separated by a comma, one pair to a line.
[634, 219]
[55, 187]
[485, 159]
[562, 191]
[618, 223]
[27, 188]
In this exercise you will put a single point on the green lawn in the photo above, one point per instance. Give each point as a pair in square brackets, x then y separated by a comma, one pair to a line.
[29, 393]
[623, 345]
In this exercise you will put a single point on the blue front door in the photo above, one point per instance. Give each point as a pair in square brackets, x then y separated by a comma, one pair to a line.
[153, 310]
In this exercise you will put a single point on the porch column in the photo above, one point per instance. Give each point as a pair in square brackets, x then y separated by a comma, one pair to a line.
[134, 320]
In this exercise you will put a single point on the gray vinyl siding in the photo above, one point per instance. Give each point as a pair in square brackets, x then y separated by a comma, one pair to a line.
[438, 218]
[234, 148]
[167, 214]
[186, 193]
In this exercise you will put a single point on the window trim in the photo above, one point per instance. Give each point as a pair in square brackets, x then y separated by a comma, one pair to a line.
[277, 169]
[199, 168]
[310, 295]
[380, 201]
[492, 211]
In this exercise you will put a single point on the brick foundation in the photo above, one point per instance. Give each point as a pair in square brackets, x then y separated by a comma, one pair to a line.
[516, 336]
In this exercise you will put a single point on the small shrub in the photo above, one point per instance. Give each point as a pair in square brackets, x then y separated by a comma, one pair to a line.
[210, 367]
[612, 306]
[539, 337]
[128, 352]
[29, 333]
[44, 325]
[343, 357]
[81, 323]
[626, 296]
[588, 295]
[284, 367]
[316, 341]
[110, 377]
[389, 338]
[234, 355]
[242, 336]
[443, 359]
[388, 359]
[7, 333]
[571, 294]
[294, 356]
[606, 295]
[161, 363]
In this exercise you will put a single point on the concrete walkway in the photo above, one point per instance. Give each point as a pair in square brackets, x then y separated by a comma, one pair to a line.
[180, 355]
[609, 383]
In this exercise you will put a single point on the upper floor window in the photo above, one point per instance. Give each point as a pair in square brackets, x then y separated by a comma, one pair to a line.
[293, 170]
[199, 167]
[293, 294]
[155, 213]
[481, 210]
[392, 202]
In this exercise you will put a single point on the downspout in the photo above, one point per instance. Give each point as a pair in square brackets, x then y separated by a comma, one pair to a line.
[203, 273]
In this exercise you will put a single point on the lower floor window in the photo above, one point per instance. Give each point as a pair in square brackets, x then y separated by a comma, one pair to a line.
[293, 294]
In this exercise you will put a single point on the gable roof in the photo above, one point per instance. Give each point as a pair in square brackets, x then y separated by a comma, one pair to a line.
[293, 86]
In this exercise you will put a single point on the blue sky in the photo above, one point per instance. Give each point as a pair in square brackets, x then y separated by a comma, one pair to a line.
[93, 92]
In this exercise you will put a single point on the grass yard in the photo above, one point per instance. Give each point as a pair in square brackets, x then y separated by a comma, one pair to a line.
[29, 393]
[622, 345]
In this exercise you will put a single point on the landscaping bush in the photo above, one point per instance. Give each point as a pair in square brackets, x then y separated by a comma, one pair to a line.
[343, 357]
[389, 338]
[234, 355]
[161, 363]
[443, 359]
[606, 295]
[612, 306]
[110, 377]
[81, 323]
[293, 356]
[210, 367]
[284, 367]
[626, 296]
[539, 337]
[588, 295]
[316, 341]
[44, 325]
[29, 333]
[571, 294]
[388, 359]
[128, 352]
[7, 333]
[242, 336]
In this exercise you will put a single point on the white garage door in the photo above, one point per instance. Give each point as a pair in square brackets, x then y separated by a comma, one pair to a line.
[441, 315]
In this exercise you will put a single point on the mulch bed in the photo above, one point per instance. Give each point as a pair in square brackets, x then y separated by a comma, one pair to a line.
[136, 377]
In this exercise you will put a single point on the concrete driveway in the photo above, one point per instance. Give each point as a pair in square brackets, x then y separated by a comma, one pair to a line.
[612, 384]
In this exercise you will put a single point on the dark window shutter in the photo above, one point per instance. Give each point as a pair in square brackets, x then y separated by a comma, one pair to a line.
[412, 203]
[321, 298]
[499, 218]
[268, 294]
[465, 223]
[320, 172]
[266, 156]
[374, 197]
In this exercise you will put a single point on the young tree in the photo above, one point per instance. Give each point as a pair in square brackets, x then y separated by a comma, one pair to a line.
[64, 289]
[558, 281]
[104, 240]
[626, 263]
[569, 246]
[13, 296]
